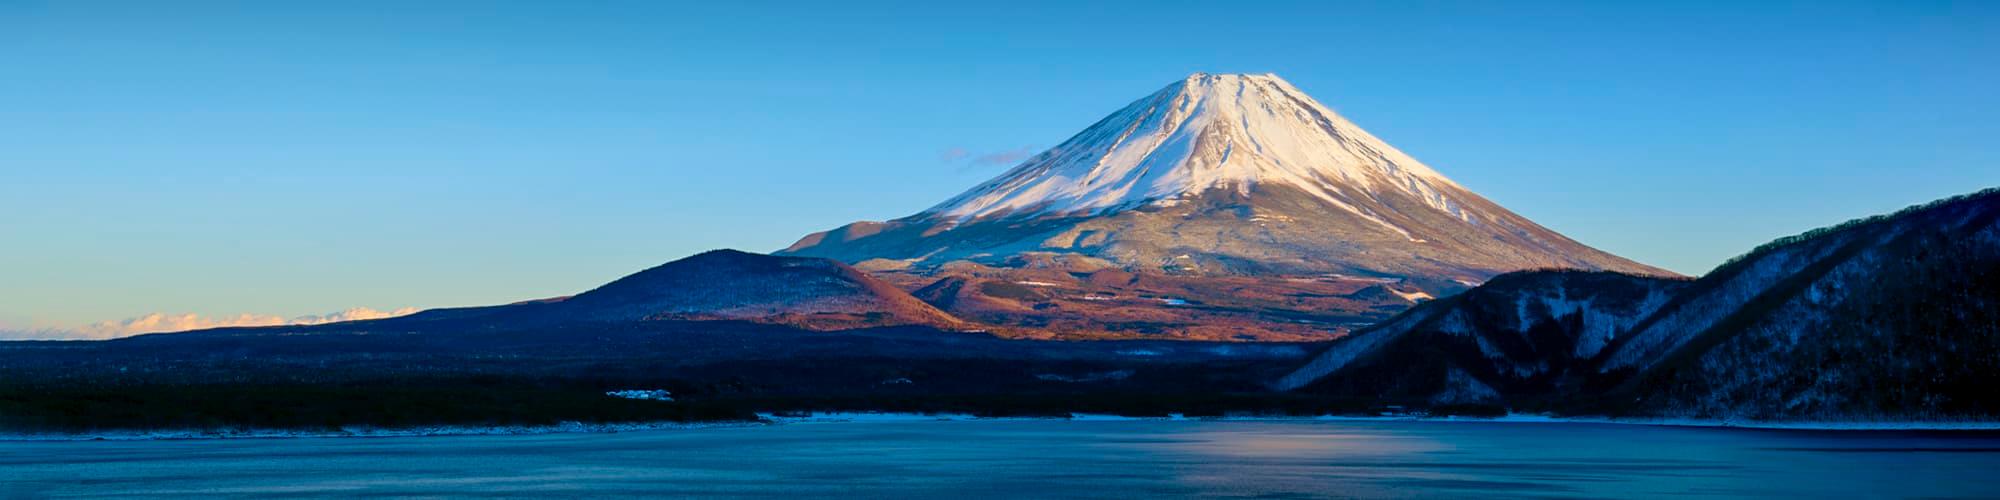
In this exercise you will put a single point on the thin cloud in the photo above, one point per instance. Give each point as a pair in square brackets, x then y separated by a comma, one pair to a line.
[1008, 157]
[969, 160]
[163, 322]
[953, 155]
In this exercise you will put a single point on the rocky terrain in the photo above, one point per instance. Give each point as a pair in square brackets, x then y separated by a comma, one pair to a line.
[1097, 302]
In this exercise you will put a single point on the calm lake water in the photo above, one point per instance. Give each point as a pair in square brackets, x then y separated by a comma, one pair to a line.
[1108, 459]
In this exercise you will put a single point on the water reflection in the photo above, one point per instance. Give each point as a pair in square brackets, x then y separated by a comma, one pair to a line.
[1038, 459]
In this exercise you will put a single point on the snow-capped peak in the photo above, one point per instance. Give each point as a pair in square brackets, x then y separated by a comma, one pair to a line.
[1224, 174]
[1206, 132]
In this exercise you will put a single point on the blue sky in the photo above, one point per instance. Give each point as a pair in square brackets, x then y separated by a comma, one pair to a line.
[295, 158]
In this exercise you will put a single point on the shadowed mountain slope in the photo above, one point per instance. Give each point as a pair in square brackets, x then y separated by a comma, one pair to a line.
[1896, 316]
[723, 285]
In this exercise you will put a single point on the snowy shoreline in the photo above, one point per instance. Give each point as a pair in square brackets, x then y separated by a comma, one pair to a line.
[368, 432]
[865, 417]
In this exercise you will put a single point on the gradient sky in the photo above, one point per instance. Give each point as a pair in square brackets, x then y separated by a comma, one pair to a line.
[302, 157]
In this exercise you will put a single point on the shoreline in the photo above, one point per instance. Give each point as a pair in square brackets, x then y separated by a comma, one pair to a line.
[882, 417]
[371, 432]
[1859, 425]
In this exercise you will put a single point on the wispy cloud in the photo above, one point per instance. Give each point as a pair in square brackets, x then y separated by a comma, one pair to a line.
[969, 159]
[1008, 157]
[164, 322]
[953, 155]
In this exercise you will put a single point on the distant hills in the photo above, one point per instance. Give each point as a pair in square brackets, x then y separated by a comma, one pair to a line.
[1891, 317]
[810, 293]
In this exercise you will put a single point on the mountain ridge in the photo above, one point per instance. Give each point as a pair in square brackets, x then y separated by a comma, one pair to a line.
[727, 284]
[1224, 174]
[1892, 316]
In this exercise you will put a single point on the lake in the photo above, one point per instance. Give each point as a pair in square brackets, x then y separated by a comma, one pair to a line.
[1039, 458]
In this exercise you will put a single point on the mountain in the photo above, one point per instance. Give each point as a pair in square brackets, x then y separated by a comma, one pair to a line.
[1516, 334]
[1222, 174]
[1895, 316]
[1889, 317]
[805, 292]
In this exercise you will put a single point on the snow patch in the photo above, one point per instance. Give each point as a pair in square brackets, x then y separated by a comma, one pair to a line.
[644, 394]
[371, 432]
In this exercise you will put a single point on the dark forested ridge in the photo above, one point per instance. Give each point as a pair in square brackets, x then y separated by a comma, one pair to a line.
[1530, 332]
[1890, 317]
[436, 373]
[1902, 322]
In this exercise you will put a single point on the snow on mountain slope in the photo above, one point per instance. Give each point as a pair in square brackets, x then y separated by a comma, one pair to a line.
[1209, 132]
[1517, 330]
[1225, 174]
[1889, 317]
[1780, 269]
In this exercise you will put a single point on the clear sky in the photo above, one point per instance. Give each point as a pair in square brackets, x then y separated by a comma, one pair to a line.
[293, 158]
